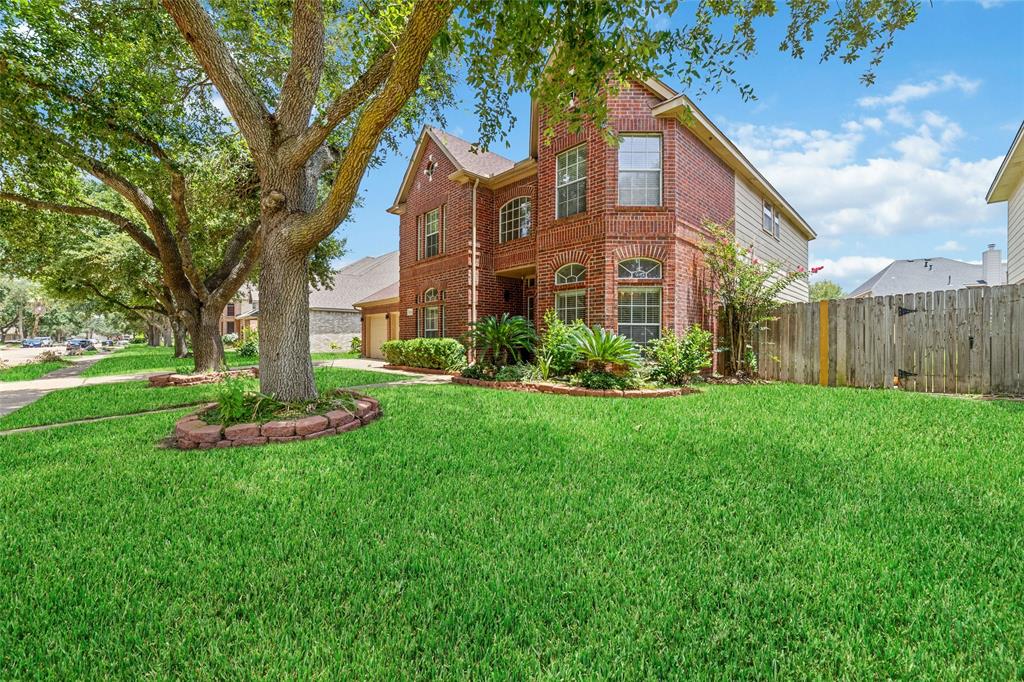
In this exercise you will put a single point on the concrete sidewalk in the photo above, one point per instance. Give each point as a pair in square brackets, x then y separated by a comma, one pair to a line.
[16, 394]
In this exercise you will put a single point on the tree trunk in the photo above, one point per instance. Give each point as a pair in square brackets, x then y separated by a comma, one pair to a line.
[207, 347]
[180, 347]
[152, 334]
[286, 371]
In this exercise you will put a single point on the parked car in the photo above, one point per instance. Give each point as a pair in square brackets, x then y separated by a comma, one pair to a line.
[81, 344]
[32, 342]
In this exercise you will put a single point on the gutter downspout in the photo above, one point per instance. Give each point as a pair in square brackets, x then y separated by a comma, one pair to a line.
[473, 265]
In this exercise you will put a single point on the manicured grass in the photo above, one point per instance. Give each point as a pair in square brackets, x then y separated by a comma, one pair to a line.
[748, 531]
[32, 370]
[331, 355]
[138, 359]
[131, 397]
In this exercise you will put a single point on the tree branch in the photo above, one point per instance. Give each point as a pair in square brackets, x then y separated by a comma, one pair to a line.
[297, 150]
[301, 84]
[427, 19]
[127, 226]
[232, 254]
[237, 275]
[248, 110]
[110, 299]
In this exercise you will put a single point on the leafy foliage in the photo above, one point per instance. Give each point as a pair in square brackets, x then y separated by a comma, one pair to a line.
[825, 290]
[557, 350]
[238, 404]
[501, 340]
[746, 291]
[445, 354]
[250, 345]
[604, 350]
[678, 358]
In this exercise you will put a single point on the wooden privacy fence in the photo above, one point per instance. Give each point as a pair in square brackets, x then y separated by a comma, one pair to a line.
[963, 341]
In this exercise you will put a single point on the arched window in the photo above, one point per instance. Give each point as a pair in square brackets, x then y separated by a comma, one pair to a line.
[639, 268]
[514, 219]
[573, 273]
[430, 295]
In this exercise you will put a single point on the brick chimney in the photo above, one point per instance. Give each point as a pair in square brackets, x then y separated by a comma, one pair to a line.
[992, 269]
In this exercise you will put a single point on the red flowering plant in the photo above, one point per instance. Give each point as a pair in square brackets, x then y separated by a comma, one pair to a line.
[746, 291]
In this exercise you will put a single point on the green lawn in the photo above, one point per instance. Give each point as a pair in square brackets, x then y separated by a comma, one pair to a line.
[748, 531]
[136, 396]
[136, 359]
[32, 370]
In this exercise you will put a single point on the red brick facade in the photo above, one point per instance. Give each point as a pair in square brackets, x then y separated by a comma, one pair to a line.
[696, 185]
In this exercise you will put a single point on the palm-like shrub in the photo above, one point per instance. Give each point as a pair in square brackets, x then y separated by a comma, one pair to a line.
[499, 340]
[605, 351]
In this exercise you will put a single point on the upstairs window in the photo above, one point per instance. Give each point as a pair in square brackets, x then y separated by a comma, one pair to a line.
[571, 181]
[639, 268]
[570, 274]
[770, 220]
[514, 219]
[640, 170]
[430, 295]
[432, 233]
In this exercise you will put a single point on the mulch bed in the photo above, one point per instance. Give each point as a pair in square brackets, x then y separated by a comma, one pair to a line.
[191, 432]
[172, 379]
[563, 389]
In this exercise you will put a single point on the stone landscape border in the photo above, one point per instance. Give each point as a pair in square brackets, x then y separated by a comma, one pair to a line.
[563, 389]
[172, 379]
[191, 432]
[420, 370]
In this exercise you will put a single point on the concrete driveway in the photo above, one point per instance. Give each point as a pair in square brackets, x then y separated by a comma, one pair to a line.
[19, 356]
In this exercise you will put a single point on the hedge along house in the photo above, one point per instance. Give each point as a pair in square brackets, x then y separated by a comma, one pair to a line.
[603, 233]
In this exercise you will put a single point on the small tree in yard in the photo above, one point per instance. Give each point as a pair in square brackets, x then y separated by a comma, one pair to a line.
[825, 290]
[745, 290]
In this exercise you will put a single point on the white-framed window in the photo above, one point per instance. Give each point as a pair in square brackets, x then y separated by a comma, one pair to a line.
[639, 268]
[514, 219]
[640, 170]
[571, 182]
[640, 313]
[573, 273]
[432, 233]
[430, 295]
[571, 306]
[431, 328]
[770, 220]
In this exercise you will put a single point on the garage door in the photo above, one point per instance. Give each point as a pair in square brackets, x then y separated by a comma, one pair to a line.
[377, 328]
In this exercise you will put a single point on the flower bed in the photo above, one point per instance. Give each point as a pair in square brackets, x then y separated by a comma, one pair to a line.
[420, 370]
[565, 389]
[171, 379]
[191, 432]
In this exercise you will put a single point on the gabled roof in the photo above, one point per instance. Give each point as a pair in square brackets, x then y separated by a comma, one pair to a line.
[355, 282]
[388, 293]
[460, 152]
[921, 274]
[1010, 172]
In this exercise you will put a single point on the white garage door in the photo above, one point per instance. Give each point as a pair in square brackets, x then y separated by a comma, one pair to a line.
[377, 329]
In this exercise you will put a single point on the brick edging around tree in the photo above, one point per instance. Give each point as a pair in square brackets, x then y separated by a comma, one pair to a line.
[191, 432]
[562, 389]
[420, 370]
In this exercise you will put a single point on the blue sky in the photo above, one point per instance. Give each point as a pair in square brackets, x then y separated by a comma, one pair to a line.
[897, 170]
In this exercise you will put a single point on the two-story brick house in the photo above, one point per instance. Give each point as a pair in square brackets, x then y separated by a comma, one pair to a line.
[599, 232]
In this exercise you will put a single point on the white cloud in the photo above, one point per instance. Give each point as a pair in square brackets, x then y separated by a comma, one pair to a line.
[950, 246]
[909, 92]
[849, 268]
[989, 4]
[919, 187]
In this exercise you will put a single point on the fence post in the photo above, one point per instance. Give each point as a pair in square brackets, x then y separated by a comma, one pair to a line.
[823, 343]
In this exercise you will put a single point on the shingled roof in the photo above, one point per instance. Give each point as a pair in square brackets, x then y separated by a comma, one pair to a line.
[355, 282]
[921, 274]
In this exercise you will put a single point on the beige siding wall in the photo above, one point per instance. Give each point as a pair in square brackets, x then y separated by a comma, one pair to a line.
[1015, 236]
[790, 248]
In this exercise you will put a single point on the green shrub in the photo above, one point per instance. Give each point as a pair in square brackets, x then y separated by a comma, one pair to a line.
[677, 359]
[479, 371]
[605, 351]
[250, 345]
[558, 352]
[598, 380]
[517, 372]
[499, 340]
[446, 354]
[229, 339]
[356, 345]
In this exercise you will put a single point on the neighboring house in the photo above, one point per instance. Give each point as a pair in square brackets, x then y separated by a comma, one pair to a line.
[380, 319]
[234, 319]
[600, 233]
[334, 319]
[934, 274]
[1008, 186]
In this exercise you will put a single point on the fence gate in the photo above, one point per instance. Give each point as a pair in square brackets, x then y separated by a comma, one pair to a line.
[963, 341]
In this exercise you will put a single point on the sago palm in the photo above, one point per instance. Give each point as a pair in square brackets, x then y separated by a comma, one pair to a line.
[603, 350]
[499, 339]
